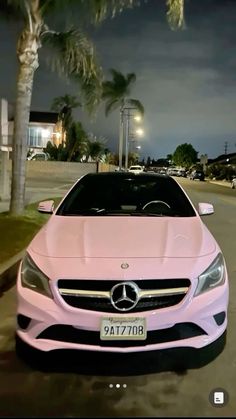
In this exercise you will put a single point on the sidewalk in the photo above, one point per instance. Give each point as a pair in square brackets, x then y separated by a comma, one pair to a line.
[220, 182]
[34, 196]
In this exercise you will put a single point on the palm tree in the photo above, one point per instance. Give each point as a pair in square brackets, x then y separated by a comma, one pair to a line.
[96, 147]
[64, 105]
[73, 56]
[77, 142]
[116, 94]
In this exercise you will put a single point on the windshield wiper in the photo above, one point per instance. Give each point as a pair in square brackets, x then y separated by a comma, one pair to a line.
[107, 212]
[93, 212]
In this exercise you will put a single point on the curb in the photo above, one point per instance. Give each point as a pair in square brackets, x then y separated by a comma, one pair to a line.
[8, 272]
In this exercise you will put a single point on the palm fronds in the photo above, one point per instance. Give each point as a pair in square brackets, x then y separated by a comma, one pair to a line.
[136, 104]
[101, 9]
[111, 106]
[72, 52]
[116, 91]
[175, 14]
[68, 101]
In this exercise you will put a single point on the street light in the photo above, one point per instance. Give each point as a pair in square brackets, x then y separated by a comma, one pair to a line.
[128, 105]
[139, 131]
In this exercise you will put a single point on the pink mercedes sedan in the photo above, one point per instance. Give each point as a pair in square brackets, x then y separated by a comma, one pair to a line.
[124, 264]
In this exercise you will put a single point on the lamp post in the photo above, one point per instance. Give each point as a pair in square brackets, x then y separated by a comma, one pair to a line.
[127, 140]
[121, 136]
[139, 131]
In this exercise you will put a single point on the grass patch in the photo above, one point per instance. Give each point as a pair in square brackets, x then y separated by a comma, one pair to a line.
[17, 232]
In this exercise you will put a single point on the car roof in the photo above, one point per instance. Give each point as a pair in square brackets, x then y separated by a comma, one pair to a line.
[116, 175]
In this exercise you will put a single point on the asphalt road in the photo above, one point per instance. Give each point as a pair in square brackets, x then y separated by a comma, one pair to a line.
[27, 391]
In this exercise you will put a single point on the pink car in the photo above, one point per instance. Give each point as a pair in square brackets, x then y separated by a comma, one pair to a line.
[124, 264]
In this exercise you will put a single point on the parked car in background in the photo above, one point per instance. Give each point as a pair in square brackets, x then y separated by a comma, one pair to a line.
[197, 175]
[136, 169]
[125, 264]
[182, 173]
[233, 183]
[39, 156]
[172, 171]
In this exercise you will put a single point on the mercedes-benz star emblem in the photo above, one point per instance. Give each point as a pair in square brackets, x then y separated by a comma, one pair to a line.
[124, 265]
[125, 296]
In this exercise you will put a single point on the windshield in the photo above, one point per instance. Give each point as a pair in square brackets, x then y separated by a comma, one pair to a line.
[126, 194]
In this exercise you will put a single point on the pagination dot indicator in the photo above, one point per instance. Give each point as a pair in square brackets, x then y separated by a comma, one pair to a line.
[117, 385]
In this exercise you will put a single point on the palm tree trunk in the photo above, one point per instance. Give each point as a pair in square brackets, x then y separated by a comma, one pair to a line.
[28, 58]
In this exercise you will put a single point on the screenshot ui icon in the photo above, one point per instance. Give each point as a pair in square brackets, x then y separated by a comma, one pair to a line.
[219, 397]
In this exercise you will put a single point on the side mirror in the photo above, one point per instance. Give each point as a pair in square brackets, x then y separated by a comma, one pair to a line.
[205, 209]
[46, 207]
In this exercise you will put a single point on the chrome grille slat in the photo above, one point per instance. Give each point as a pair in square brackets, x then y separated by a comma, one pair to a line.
[84, 295]
[106, 294]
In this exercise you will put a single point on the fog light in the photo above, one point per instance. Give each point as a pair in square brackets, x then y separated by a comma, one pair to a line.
[23, 321]
[220, 318]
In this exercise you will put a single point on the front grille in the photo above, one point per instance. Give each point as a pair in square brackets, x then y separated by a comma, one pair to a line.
[65, 333]
[104, 304]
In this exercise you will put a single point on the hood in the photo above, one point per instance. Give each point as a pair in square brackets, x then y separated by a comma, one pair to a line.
[123, 237]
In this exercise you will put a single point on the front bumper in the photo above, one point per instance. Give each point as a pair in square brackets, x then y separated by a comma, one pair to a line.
[53, 325]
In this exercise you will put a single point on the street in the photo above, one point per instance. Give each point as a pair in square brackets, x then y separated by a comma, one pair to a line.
[26, 391]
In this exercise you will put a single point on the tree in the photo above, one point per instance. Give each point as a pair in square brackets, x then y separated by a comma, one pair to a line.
[52, 150]
[73, 56]
[96, 147]
[64, 105]
[77, 142]
[185, 155]
[116, 92]
[116, 95]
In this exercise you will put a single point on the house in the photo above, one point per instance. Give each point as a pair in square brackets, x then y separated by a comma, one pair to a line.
[43, 127]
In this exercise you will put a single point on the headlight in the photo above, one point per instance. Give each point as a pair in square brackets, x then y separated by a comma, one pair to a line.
[212, 277]
[33, 278]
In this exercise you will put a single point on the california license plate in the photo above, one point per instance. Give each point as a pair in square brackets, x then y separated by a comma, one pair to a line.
[123, 328]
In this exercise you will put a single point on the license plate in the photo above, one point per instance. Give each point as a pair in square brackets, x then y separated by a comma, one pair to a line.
[113, 328]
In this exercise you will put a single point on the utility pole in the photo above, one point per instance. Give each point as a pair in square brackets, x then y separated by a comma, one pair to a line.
[121, 136]
[127, 140]
[226, 147]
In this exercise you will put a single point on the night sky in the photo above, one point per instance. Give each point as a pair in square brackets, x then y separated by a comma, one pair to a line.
[186, 79]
